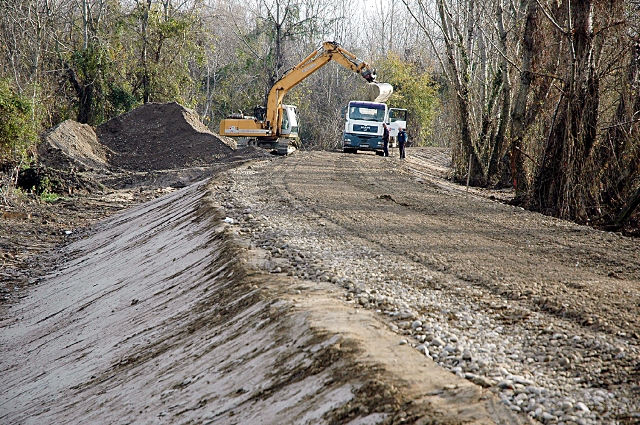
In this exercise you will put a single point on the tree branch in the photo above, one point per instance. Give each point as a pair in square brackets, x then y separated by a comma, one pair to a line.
[550, 18]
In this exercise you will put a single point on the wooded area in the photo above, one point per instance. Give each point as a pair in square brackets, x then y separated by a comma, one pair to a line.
[539, 95]
[547, 99]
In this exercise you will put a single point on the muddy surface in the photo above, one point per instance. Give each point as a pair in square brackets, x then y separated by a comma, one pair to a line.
[288, 289]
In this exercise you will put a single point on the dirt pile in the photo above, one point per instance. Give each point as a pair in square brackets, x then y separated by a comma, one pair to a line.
[71, 145]
[160, 137]
[156, 144]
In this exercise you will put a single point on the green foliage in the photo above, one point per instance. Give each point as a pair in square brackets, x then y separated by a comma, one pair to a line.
[43, 186]
[47, 196]
[413, 89]
[239, 85]
[18, 130]
[44, 189]
[121, 100]
[161, 54]
[144, 54]
[87, 71]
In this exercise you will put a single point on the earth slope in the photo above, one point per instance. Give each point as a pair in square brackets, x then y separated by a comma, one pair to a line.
[161, 316]
[329, 288]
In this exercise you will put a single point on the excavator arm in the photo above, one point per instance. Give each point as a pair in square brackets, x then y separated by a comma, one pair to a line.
[316, 60]
[267, 130]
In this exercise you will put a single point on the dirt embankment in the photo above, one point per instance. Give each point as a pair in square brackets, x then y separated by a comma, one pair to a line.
[71, 145]
[89, 175]
[160, 316]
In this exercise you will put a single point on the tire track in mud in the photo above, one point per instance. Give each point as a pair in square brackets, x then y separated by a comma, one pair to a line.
[377, 190]
[472, 237]
[478, 249]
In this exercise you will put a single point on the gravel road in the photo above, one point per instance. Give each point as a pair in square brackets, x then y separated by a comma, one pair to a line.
[544, 313]
[317, 288]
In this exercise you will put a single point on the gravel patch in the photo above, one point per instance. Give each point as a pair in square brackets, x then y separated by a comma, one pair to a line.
[549, 369]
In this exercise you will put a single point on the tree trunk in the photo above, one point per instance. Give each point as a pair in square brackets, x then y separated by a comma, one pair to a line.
[497, 150]
[84, 93]
[146, 79]
[518, 174]
[460, 81]
[562, 188]
[628, 209]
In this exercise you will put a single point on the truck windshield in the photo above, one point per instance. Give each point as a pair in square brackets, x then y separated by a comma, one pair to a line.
[366, 111]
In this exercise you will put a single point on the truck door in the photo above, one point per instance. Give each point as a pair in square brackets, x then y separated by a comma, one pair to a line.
[397, 119]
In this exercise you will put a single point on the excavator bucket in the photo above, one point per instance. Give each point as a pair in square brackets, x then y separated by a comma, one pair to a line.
[380, 92]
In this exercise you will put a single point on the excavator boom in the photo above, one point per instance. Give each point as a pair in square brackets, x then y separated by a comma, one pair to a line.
[329, 51]
[269, 128]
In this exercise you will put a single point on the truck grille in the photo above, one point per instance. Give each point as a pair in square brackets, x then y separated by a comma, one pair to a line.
[365, 128]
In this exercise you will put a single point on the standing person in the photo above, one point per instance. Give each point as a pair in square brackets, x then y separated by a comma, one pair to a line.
[402, 140]
[385, 138]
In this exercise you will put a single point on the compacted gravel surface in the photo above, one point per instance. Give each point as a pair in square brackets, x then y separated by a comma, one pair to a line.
[542, 312]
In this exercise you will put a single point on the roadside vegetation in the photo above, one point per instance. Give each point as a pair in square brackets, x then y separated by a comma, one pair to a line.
[538, 96]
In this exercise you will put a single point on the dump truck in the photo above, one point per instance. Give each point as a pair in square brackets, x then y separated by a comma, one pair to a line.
[363, 125]
[275, 127]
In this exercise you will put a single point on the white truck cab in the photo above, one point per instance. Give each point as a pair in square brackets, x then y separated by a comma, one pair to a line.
[363, 125]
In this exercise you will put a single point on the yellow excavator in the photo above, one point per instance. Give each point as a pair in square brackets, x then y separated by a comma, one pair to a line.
[276, 126]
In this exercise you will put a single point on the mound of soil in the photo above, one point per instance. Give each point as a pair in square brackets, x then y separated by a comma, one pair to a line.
[72, 146]
[160, 137]
[63, 182]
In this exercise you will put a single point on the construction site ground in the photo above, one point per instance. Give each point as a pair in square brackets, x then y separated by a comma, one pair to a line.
[321, 287]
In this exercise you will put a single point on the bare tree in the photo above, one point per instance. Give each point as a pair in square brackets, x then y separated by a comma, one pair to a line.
[560, 186]
[518, 173]
[27, 31]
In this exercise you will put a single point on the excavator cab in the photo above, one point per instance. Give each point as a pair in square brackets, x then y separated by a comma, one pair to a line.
[259, 112]
[289, 121]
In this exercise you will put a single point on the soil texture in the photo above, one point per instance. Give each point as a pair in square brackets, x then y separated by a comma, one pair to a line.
[159, 137]
[195, 283]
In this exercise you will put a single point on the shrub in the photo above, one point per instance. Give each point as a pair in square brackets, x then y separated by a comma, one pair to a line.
[18, 134]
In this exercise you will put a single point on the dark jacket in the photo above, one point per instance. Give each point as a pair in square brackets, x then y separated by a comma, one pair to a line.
[402, 137]
[385, 134]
